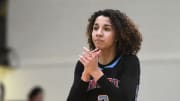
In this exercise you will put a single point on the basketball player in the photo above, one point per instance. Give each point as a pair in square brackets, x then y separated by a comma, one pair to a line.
[109, 70]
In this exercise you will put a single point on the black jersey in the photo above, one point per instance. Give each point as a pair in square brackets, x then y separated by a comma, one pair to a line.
[120, 81]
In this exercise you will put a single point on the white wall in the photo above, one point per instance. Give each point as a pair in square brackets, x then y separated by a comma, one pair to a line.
[47, 35]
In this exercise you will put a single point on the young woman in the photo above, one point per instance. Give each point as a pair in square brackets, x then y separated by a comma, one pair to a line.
[109, 70]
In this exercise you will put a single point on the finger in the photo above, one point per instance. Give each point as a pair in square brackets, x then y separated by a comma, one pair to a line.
[87, 57]
[84, 60]
[95, 50]
[86, 49]
[81, 60]
[97, 53]
[86, 52]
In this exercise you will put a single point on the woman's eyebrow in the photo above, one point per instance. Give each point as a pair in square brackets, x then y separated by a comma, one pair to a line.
[96, 24]
[107, 25]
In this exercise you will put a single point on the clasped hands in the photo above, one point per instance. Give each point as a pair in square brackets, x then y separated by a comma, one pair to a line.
[90, 61]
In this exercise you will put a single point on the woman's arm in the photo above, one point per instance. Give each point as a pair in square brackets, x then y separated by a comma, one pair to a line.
[79, 87]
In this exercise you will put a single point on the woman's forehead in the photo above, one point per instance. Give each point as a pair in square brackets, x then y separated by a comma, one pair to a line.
[103, 20]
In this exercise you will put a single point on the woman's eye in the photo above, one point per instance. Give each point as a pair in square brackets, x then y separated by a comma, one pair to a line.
[95, 28]
[107, 29]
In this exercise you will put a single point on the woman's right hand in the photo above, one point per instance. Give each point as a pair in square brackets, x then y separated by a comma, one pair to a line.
[85, 76]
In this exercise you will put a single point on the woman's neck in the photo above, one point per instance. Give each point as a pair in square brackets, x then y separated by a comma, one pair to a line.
[107, 56]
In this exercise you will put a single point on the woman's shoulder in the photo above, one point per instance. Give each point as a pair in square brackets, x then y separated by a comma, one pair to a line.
[130, 58]
[131, 62]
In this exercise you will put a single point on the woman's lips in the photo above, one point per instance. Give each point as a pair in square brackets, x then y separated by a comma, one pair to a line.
[99, 40]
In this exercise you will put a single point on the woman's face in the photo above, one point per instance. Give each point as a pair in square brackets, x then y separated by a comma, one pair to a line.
[103, 34]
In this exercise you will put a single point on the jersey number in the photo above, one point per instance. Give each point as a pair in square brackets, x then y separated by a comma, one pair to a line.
[103, 98]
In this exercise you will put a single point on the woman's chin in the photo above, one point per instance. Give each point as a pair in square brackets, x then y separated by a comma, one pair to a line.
[99, 47]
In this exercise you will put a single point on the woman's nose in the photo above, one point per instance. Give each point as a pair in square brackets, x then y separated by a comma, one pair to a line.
[99, 33]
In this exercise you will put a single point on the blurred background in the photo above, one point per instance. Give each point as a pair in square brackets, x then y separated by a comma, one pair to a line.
[40, 41]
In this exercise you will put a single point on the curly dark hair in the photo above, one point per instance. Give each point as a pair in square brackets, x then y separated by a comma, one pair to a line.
[34, 92]
[128, 36]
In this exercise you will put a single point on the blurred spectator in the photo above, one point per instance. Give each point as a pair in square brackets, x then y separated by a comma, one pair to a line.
[36, 94]
[2, 91]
